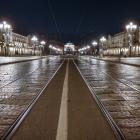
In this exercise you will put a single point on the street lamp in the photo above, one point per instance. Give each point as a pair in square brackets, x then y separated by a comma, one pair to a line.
[84, 49]
[34, 39]
[6, 32]
[131, 28]
[102, 41]
[55, 49]
[43, 43]
[94, 43]
[4, 26]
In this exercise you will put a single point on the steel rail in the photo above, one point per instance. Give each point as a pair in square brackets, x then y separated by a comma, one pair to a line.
[116, 78]
[10, 132]
[121, 81]
[117, 132]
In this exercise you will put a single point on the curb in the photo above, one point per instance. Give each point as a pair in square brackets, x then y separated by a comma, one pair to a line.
[20, 61]
[136, 65]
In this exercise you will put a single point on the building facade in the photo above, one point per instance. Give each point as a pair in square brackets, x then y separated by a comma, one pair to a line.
[119, 44]
[15, 44]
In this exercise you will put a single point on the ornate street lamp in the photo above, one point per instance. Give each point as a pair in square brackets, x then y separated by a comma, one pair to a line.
[6, 36]
[103, 42]
[94, 43]
[43, 43]
[84, 49]
[55, 49]
[34, 40]
[131, 28]
[4, 26]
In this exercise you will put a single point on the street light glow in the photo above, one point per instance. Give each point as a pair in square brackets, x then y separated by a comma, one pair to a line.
[1, 26]
[103, 39]
[4, 25]
[54, 48]
[42, 42]
[4, 22]
[94, 43]
[88, 47]
[84, 48]
[34, 38]
[131, 26]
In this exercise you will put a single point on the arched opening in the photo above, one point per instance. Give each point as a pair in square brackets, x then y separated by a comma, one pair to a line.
[69, 48]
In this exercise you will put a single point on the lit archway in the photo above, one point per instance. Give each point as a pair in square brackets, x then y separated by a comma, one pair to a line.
[69, 48]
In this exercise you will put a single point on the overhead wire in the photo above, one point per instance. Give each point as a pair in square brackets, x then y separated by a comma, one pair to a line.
[80, 23]
[54, 19]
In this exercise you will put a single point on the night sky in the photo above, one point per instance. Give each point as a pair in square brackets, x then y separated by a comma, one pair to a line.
[69, 20]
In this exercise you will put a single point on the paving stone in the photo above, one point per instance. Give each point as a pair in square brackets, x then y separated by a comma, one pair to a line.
[136, 112]
[131, 133]
[6, 121]
[117, 93]
[3, 129]
[26, 81]
[128, 123]
[131, 98]
[118, 108]
[121, 115]
[119, 98]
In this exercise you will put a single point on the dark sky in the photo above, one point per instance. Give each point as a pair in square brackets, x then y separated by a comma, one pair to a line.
[69, 19]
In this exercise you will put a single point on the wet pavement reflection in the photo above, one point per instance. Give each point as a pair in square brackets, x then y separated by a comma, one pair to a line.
[20, 83]
[118, 88]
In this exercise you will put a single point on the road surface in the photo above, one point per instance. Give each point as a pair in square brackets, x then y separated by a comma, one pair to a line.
[59, 98]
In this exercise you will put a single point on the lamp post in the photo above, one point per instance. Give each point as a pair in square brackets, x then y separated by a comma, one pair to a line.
[34, 39]
[84, 49]
[6, 36]
[94, 43]
[55, 50]
[43, 43]
[102, 41]
[131, 28]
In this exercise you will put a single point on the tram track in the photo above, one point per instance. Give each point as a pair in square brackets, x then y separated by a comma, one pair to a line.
[53, 66]
[118, 90]
[118, 133]
[20, 119]
[123, 80]
[117, 79]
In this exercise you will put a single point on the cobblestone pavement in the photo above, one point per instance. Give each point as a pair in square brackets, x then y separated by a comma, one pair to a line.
[20, 83]
[65, 111]
[118, 87]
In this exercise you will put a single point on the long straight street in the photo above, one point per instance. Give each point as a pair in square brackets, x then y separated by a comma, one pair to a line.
[58, 98]
[66, 110]
[69, 70]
